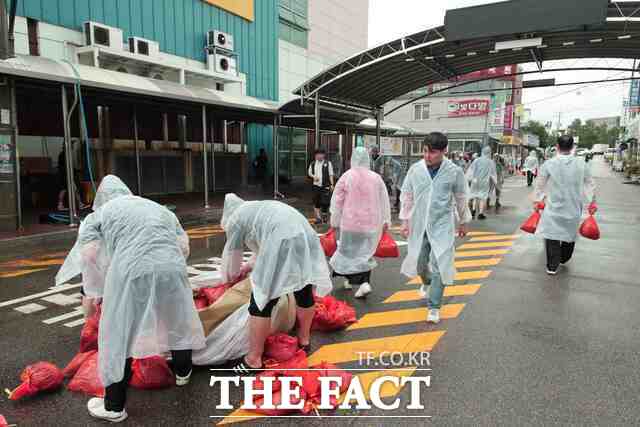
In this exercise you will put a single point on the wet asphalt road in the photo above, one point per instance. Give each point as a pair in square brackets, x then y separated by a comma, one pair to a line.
[526, 349]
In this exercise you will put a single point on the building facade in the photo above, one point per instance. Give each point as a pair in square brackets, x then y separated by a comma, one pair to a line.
[471, 115]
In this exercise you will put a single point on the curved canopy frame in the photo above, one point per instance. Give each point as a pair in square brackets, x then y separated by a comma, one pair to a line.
[372, 78]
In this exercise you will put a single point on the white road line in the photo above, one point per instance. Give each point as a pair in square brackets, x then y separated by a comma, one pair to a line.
[61, 299]
[62, 317]
[39, 295]
[75, 323]
[30, 308]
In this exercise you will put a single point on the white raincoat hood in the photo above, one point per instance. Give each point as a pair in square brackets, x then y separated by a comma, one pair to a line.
[110, 188]
[231, 204]
[360, 158]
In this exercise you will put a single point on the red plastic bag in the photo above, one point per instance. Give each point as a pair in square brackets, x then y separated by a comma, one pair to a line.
[531, 224]
[329, 242]
[277, 400]
[387, 247]
[298, 361]
[151, 373]
[280, 347]
[77, 361]
[332, 314]
[41, 376]
[590, 229]
[89, 334]
[87, 380]
[311, 383]
[213, 294]
[201, 302]
[3, 422]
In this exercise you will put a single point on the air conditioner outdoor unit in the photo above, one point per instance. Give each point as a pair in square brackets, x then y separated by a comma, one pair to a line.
[140, 46]
[220, 40]
[96, 34]
[223, 64]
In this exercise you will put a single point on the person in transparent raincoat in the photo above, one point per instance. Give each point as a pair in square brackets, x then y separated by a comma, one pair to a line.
[360, 210]
[287, 259]
[482, 175]
[565, 185]
[531, 165]
[147, 302]
[433, 200]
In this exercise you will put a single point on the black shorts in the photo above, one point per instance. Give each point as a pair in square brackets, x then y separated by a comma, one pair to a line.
[304, 299]
[321, 197]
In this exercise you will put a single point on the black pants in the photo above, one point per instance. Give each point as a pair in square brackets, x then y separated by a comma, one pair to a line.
[529, 178]
[304, 299]
[558, 253]
[115, 395]
[357, 278]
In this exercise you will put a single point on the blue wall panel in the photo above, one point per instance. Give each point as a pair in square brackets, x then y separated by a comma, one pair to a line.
[179, 27]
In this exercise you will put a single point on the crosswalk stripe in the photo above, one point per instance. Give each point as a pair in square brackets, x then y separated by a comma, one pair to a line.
[350, 351]
[366, 379]
[460, 275]
[53, 290]
[480, 233]
[75, 323]
[485, 245]
[490, 252]
[478, 263]
[62, 317]
[402, 317]
[492, 238]
[449, 291]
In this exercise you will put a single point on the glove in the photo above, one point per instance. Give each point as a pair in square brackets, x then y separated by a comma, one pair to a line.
[593, 208]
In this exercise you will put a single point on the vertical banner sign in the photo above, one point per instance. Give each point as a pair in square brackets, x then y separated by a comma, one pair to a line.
[634, 96]
[508, 117]
[467, 107]
[6, 157]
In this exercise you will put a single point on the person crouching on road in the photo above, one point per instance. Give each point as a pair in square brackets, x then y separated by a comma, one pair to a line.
[565, 185]
[287, 259]
[482, 174]
[431, 189]
[360, 210]
[531, 165]
[147, 302]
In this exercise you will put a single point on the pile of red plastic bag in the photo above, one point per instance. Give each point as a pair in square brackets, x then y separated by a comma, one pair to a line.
[36, 378]
[298, 366]
[332, 314]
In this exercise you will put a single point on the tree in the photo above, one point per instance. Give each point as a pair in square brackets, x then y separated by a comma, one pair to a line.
[589, 134]
[536, 128]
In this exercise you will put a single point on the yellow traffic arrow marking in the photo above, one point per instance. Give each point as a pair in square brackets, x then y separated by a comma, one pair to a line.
[487, 262]
[402, 317]
[20, 273]
[350, 351]
[460, 276]
[490, 252]
[485, 245]
[449, 291]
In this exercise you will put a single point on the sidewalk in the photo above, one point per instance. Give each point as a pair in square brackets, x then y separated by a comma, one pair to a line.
[189, 208]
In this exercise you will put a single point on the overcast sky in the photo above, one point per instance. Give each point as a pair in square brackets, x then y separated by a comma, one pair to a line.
[391, 19]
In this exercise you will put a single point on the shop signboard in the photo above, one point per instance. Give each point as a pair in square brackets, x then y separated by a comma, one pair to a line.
[467, 107]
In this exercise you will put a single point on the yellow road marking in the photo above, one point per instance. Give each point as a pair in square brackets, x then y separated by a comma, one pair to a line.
[478, 262]
[366, 379]
[490, 252]
[485, 245]
[481, 233]
[349, 351]
[31, 263]
[449, 291]
[9, 274]
[490, 238]
[402, 317]
[460, 275]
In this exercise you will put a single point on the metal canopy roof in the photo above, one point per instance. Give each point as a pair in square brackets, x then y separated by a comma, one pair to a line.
[335, 119]
[39, 68]
[374, 77]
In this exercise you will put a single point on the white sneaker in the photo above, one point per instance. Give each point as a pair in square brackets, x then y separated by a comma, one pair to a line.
[552, 272]
[434, 316]
[363, 290]
[423, 291]
[347, 285]
[182, 381]
[96, 410]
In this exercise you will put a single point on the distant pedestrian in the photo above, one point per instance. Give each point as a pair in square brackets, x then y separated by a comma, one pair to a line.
[531, 166]
[260, 165]
[565, 185]
[434, 201]
[481, 174]
[321, 173]
[497, 187]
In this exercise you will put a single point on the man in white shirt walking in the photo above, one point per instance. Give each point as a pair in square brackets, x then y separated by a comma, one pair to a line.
[321, 172]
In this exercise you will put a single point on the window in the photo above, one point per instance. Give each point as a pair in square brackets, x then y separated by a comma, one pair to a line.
[32, 31]
[293, 21]
[420, 111]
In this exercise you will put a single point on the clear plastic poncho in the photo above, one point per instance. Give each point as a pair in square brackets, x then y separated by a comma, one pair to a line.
[359, 209]
[481, 173]
[566, 185]
[287, 252]
[147, 305]
[531, 163]
[433, 206]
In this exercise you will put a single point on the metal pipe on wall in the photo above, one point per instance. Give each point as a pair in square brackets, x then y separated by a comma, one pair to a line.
[276, 124]
[69, 158]
[213, 156]
[16, 155]
[225, 138]
[136, 143]
[205, 164]
[378, 117]
[317, 122]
